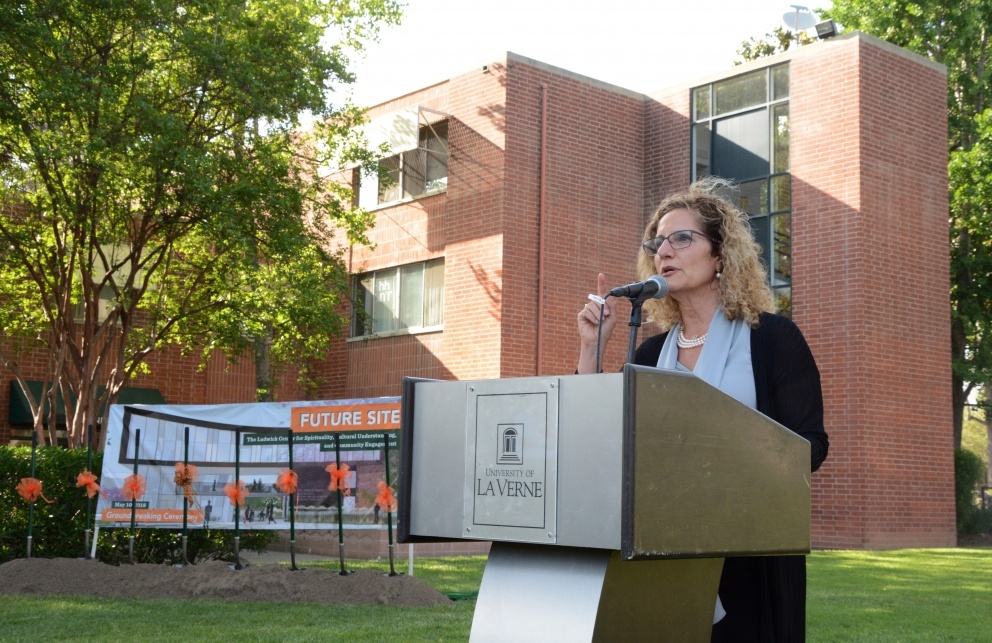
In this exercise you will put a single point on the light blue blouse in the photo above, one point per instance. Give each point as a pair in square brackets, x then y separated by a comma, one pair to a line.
[725, 360]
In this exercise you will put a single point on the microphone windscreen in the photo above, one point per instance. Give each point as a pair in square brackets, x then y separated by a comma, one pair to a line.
[662, 286]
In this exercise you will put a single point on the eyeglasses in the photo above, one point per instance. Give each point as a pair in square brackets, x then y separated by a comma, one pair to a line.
[679, 240]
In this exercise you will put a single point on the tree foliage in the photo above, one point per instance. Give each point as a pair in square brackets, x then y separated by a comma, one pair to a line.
[774, 42]
[157, 185]
[955, 34]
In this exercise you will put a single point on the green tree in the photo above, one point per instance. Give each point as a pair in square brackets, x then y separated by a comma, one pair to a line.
[774, 42]
[157, 185]
[955, 34]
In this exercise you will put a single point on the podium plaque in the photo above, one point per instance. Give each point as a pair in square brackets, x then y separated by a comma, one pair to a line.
[511, 460]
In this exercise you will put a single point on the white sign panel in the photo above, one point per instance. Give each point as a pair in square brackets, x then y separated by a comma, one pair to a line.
[511, 463]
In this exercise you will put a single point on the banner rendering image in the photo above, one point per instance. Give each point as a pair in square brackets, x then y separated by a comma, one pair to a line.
[227, 458]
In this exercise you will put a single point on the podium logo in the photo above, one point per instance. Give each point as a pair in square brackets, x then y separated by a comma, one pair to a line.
[510, 446]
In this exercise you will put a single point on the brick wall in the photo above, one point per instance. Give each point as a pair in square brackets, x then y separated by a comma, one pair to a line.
[181, 380]
[592, 201]
[870, 266]
[474, 227]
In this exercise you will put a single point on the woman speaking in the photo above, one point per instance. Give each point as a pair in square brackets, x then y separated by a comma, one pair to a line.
[718, 324]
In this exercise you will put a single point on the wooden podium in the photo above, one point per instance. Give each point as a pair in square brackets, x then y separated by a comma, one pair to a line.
[611, 500]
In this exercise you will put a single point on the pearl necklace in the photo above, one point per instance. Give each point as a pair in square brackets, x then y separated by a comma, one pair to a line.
[685, 342]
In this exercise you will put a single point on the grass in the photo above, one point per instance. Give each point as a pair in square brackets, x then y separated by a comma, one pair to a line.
[906, 595]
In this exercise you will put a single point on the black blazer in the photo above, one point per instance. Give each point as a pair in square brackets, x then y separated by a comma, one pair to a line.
[786, 380]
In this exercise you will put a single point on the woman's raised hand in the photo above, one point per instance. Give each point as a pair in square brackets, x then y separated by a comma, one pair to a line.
[588, 321]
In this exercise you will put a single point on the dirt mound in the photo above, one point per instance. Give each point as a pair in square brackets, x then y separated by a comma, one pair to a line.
[213, 580]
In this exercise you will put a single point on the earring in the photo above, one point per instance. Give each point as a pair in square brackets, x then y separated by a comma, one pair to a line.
[719, 275]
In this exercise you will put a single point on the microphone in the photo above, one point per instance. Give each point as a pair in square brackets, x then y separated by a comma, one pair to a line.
[655, 287]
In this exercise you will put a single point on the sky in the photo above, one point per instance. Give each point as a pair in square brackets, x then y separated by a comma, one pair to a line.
[642, 45]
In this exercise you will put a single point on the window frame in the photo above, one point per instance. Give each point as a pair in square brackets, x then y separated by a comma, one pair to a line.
[773, 211]
[411, 169]
[364, 302]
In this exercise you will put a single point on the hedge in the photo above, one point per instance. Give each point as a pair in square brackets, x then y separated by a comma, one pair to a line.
[59, 527]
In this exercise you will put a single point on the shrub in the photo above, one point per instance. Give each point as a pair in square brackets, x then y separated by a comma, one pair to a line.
[59, 528]
[969, 472]
[166, 545]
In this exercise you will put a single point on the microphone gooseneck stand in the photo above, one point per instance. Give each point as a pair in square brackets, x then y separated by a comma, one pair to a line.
[634, 324]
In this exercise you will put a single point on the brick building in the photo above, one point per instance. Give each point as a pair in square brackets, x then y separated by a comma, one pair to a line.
[515, 183]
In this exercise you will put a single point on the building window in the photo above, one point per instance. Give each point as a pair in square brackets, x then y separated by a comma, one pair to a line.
[104, 305]
[740, 131]
[422, 170]
[404, 299]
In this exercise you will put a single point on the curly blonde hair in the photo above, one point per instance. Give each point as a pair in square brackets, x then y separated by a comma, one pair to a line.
[744, 290]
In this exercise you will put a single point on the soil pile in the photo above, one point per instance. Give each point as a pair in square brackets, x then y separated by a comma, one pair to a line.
[213, 580]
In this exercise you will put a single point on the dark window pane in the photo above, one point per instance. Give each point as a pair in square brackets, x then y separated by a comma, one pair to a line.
[361, 306]
[781, 193]
[780, 138]
[701, 103]
[740, 146]
[781, 271]
[741, 92]
[761, 227]
[434, 143]
[752, 197]
[780, 82]
[701, 145]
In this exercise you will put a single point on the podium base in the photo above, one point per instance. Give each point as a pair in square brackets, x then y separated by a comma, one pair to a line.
[542, 593]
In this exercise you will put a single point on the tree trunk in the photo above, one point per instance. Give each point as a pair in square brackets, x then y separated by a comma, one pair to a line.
[263, 369]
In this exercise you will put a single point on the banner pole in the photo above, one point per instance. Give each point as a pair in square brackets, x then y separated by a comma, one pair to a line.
[185, 499]
[96, 537]
[337, 458]
[292, 509]
[389, 514]
[134, 500]
[237, 509]
[34, 451]
[89, 501]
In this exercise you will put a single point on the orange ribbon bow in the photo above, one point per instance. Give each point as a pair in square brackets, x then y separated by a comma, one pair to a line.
[30, 490]
[237, 492]
[186, 475]
[88, 479]
[287, 481]
[134, 487]
[339, 478]
[386, 498]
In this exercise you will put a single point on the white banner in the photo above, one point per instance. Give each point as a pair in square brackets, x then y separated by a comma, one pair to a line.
[249, 442]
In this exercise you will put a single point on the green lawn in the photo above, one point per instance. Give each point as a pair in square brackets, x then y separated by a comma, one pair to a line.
[907, 595]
